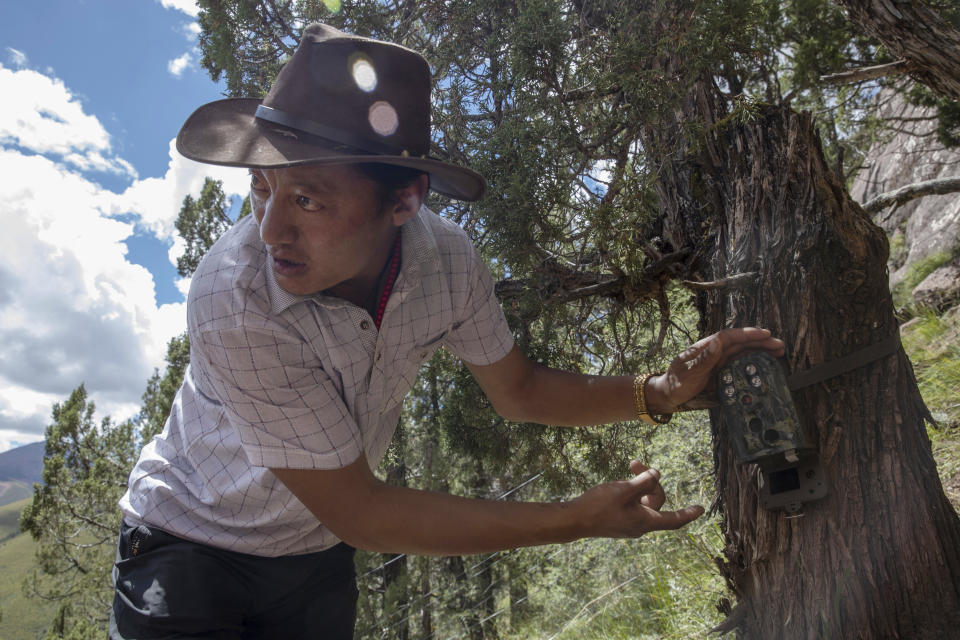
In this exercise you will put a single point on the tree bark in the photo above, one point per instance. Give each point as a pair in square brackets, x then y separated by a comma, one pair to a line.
[879, 557]
[916, 33]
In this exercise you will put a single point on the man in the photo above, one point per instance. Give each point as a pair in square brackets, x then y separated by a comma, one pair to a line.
[307, 324]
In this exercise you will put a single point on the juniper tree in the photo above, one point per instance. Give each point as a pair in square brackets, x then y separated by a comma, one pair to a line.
[74, 517]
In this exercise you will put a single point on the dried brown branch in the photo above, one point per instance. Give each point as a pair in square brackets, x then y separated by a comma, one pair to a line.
[730, 282]
[868, 73]
[910, 192]
[557, 283]
[664, 322]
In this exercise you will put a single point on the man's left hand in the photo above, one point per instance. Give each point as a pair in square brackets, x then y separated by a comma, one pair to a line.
[693, 370]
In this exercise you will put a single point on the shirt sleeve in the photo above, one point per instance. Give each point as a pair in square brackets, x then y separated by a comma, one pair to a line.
[274, 391]
[480, 334]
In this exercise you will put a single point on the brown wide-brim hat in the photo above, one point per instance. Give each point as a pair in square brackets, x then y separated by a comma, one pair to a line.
[339, 99]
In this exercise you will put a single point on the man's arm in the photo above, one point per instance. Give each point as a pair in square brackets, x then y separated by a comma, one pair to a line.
[369, 514]
[523, 391]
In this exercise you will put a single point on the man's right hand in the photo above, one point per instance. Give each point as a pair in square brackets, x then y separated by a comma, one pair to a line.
[631, 508]
[369, 514]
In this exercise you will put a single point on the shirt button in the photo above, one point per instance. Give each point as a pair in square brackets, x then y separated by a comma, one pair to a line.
[378, 356]
[364, 324]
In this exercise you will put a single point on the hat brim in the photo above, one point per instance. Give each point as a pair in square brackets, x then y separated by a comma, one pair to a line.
[226, 132]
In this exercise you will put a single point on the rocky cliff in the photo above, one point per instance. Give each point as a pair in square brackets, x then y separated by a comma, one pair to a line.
[923, 230]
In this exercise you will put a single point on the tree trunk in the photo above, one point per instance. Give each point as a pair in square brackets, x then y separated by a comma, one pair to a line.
[426, 616]
[879, 557]
[469, 619]
[916, 33]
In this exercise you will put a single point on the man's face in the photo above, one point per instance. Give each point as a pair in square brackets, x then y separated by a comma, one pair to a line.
[323, 228]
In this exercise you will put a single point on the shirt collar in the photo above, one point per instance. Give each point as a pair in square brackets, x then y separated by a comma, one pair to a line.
[419, 256]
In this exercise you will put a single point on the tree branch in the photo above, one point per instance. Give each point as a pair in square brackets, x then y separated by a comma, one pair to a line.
[910, 192]
[558, 284]
[915, 32]
[730, 282]
[869, 73]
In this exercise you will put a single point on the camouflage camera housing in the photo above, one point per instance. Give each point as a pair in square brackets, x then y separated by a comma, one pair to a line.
[759, 414]
[762, 421]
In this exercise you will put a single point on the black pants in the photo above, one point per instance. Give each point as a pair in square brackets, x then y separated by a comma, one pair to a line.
[167, 587]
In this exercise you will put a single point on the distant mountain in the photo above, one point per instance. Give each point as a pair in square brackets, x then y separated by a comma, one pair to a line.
[19, 469]
[23, 464]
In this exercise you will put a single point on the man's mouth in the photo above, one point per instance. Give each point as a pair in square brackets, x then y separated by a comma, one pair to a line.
[285, 267]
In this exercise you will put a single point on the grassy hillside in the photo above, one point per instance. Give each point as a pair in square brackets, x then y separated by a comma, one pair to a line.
[23, 618]
[14, 491]
[933, 344]
[9, 519]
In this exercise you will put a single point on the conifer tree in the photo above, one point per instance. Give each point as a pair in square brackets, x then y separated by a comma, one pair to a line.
[74, 517]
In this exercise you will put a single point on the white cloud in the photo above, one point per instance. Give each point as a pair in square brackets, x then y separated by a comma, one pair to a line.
[189, 7]
[73, 308]
[157, 201]
[17, 58]
[40, 114]
[177, 65]
[11, 438]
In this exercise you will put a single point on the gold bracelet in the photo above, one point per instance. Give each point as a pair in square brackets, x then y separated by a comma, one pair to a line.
[640, 401]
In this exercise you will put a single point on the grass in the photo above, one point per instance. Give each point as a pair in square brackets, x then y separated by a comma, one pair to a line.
[664, 585]
[13, 491]
[933, 344]
[22, 618]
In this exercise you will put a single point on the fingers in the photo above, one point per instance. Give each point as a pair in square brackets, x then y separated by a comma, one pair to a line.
[638, 467]
[646, 481]
[654, 499]
[638, 509]
[723, 346]
[736, 340]
[669, 520]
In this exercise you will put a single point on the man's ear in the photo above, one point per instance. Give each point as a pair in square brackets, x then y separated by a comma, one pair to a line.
[407, 201]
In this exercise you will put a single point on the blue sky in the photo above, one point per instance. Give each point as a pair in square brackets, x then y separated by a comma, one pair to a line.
[94, 93]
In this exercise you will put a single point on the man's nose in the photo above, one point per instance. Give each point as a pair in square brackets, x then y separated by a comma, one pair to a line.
[277, 224]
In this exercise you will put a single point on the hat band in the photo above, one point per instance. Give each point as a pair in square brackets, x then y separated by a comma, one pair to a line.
[330, 133]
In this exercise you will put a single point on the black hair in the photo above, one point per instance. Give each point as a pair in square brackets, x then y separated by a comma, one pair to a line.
[389, 177]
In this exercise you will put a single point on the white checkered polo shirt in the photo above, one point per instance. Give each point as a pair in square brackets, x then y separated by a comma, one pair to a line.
[300, 382]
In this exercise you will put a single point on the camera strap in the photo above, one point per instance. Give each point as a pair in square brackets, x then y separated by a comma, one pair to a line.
[818, 373]
[834, 368]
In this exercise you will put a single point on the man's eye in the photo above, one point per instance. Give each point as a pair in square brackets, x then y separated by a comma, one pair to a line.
[308, 204]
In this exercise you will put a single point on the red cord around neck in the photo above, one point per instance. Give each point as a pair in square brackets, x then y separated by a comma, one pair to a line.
[392, 270]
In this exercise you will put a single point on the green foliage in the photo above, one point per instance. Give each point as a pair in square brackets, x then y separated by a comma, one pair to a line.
[73, 516]
[948, 113]
[231, 49]
[162, 389]
[200, 222]
[933, 344]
